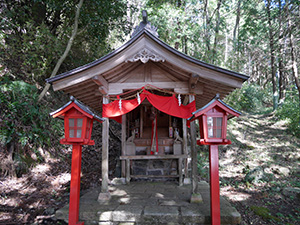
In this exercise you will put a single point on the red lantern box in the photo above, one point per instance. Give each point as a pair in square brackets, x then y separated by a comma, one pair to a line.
[213, 122]
[78, 121]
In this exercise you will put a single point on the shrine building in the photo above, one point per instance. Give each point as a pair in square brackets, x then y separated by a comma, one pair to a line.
[151, 89]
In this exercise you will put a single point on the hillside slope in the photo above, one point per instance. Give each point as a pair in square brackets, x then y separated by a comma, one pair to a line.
[260, 171]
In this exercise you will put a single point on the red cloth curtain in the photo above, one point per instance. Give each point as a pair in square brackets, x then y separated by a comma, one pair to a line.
[168, 105]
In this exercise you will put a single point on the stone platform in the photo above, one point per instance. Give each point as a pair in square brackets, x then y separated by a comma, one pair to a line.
[150, 203]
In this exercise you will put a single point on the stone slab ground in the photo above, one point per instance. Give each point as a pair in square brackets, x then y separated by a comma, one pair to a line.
[150, 203]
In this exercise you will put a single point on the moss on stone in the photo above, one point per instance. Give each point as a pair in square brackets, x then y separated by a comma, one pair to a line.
[264, 213]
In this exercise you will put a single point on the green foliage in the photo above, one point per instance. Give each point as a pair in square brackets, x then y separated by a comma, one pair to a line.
[250, 98]
[290, 110]
[34, 34]
[25, 124]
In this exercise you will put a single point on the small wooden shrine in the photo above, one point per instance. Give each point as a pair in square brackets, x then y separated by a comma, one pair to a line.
[151, 89]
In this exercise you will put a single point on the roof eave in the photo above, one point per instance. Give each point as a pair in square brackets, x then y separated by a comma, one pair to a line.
[157, 40]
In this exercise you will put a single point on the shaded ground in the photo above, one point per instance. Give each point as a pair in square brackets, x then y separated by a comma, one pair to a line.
[255, 170]
[260, 143]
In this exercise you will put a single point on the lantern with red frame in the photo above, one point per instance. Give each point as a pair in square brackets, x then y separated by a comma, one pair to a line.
[213, 122]
[78, 129]
[213, 129]
[78, 120]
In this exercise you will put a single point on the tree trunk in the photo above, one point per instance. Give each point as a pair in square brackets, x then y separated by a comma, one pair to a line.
[293, 54]
[294, 64]
[63, 57]
[281, 50]
[237, 22]
[272, 53]
[281, 83]
[216, 31]
[206, 22]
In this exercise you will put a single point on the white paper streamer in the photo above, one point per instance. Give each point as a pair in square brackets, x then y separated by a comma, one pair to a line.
[138, 98]
[120, 105]
[179, 100]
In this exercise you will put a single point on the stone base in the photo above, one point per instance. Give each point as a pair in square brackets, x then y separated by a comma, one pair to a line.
[118, 181]
[150, 203]
[196, 198]
[187, 181]
[104, 197]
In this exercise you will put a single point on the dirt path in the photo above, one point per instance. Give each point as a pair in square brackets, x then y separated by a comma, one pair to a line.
[258, 167]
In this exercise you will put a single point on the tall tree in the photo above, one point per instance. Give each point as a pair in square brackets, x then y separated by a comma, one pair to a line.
[272, 55]
[216, 31]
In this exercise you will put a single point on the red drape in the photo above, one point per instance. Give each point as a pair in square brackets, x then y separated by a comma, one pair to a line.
[168, 105]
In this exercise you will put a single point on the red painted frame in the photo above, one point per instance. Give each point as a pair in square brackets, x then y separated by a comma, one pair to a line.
[215, 109]
[73, 111]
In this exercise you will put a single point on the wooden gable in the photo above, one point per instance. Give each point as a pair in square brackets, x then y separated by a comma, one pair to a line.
[143, 60]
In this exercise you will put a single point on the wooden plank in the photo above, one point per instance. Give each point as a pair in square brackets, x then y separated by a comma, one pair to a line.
[81, 87]
[116, 70]
[99, 80]
[87, 93]
[194, 86]
[193, 80]
[139, 157]
[105, 148]
[123, 143]
[124, 74]
[155, 66]
[147, 73]
[180, 171]
[173, 75]
[127, 171]
[119, 87]
[153, 176]
[185, 145]
[193, 153]
[182, 90]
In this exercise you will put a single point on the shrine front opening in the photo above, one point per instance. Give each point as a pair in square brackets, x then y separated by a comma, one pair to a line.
[154, 138]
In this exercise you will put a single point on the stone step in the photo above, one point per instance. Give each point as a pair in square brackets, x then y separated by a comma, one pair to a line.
[150, 203]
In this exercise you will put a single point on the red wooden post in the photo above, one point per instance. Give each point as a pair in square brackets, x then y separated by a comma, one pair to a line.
[75, 186]
[214, 185]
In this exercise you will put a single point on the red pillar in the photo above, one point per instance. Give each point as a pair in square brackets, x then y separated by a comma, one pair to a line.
[214, 185]
[75, 186]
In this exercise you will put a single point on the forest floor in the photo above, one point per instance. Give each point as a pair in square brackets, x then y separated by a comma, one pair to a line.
[255, 172]
[260, 171]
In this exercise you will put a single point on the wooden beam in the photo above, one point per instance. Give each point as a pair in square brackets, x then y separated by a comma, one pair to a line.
[184, 145]
[193, 80]
[103, 90]
[105, 148]
[115, 88]
[84, 94]
[194, 86]
[193, 153]
[80, 87]
[102, 83]
[123, 137]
